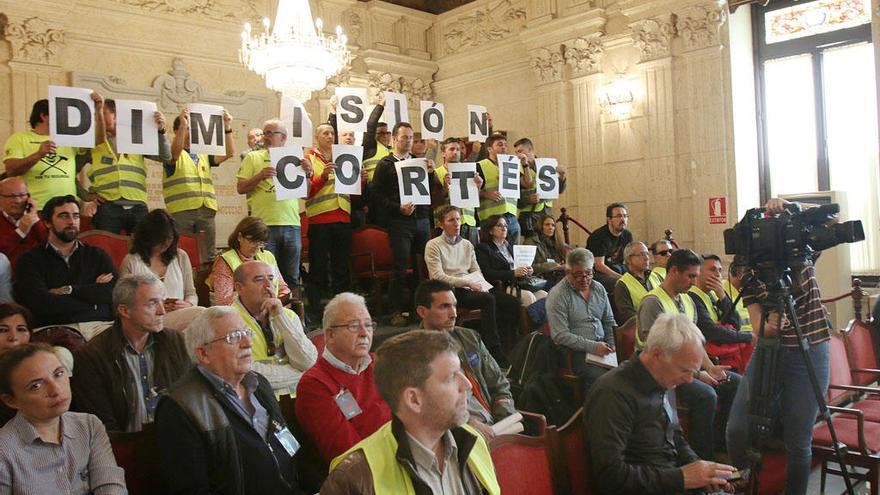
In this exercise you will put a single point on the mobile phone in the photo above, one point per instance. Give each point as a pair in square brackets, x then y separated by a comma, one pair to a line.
[735, 476]
[28, 206]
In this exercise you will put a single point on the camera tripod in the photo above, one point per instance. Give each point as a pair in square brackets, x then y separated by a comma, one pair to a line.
[766, 358]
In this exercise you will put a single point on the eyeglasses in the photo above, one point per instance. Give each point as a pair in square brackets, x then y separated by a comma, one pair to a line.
[668, 252]
[354, 326]
[581, 276]
[259, 244]
[273, 133]
[17, 196]
[234, 337]
[621, 215]
[501, 226]
[645, 254]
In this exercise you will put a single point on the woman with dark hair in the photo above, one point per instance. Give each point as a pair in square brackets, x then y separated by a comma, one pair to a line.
[154, 250]
[45, 448]
[550, 255]
[246, 243]
[495, 257]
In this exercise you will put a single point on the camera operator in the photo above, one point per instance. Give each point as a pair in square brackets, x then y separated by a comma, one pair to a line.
[793, 391]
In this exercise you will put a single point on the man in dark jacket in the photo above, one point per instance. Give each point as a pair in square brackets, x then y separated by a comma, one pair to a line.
[65, 281]
[121, 373]
[220, 428]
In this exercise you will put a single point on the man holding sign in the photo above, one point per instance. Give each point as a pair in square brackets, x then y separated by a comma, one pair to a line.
[530, 205]
[118, 176]
[440, 191]
[408, 225]
[48, 170]
[501, 183]
[187, 185]
[255, 179]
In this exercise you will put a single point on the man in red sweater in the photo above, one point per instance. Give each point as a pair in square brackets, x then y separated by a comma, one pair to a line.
[337, 403]
[20, 227]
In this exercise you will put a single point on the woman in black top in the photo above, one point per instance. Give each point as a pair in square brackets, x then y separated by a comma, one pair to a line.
[495, 257]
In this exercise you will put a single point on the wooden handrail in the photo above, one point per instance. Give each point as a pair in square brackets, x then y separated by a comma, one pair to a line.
[564, 218]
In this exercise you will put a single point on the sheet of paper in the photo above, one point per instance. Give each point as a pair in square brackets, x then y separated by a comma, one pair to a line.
[351, 109]
[136, 129]
[433, 120]
[485, 286]
[478, 123]
[348, 159]
[523, 255]
[396, 109]
[607, 361]
[412, 179]
[547, 178]
[290, 178]
[509, 425]
[463, 191]
[297, 121]
[71, 117]
[206, 132]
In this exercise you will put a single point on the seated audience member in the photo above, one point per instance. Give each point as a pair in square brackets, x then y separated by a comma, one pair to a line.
[607, 243]
[337, 403]
[154, 250]
[660, 252]
[34, 458]
[634, 285]
[281, 351]
[122, 372]
[5, 280]
[491, 399]
[20, 227]
[220, 428]
[636, 442]
[246, 243]
[454, 262]
[580, 316]
[714, 388]
[549, 262]
[724, 340]
[495, 257]
[732, 287]
[427, 447]
[66, 282]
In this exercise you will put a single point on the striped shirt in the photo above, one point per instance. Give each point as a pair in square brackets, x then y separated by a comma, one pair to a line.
[807, 304]
[81, 463]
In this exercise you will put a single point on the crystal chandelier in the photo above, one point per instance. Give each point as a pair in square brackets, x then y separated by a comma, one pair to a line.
[294, 57]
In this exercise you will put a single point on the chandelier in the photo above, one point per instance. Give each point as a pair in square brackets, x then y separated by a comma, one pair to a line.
[294, 57]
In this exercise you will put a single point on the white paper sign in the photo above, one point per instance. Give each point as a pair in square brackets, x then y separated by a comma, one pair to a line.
[290, 178]
[412, 179]
[547, 178]
[136, 129]
[478, 123]
[523, 255]
[71, 117]
[508, 176]
[351, 109]
[463, 191]
[298, 123]
[396, 109]
[349, 160]
[206, 134]
[433, 120]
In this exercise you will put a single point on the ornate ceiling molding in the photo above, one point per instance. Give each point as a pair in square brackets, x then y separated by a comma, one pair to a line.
[220, 10]
[34, 40]
[700, 25]
[584, 55]
[494, 22]
[177, 87]
[653, 36]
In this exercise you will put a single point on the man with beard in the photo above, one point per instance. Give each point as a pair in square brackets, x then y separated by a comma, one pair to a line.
[607, 243]
[122, 373]
[427, 447]
[20, 226]
[66, 282]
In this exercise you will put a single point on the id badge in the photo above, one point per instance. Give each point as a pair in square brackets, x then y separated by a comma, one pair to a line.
[287, 440]
[347, 404]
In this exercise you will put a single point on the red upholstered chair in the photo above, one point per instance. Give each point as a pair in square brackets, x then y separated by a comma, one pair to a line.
[304, 233]
[861, 347]
[371, 260]
[194, 245]
[114, 244]
[60, 336]
[570, 458]
[625, 339]
[138, 454]
[317, 338]
[522, 464]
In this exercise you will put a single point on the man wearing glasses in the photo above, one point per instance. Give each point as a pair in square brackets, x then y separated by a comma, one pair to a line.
[607, 243]
[634, 285]
[661, 251]
[220, 429]
[20, 227]
[337, 403]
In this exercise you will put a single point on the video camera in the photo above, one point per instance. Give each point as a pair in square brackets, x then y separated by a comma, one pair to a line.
[793, 235]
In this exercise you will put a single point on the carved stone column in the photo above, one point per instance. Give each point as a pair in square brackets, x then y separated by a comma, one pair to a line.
[653, 36]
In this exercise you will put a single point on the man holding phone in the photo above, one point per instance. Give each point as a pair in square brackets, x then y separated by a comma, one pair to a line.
[20, 228]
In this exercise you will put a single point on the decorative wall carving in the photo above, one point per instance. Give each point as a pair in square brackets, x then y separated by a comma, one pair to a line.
[547, 64]
[223, 10]
[584, 55]
[353, 26]
[700, 26]
[415, 88]
[487, 24]
[652, 36]
[177, 87]
[34, 40]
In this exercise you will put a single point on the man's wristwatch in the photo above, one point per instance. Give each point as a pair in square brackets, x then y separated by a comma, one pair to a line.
[66, 290]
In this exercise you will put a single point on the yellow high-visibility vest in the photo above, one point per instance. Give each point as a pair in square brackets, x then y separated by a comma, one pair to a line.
[745, 323]
[491, 182]
[526, 192]
[670, 307]
[117, 176]
[326, 198]
[190, 186]
[232, 259]
[370, 163]
[708, 301]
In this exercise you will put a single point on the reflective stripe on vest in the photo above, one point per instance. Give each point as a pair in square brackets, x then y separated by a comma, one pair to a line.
[118, 176]
[525, 193]
[745, 323]
[232, 259]
[325, 199]
[190, 186]
[708, 301]
[660, 273]
[370, 163]
[380, 451]
[468, 215]
[487, 206]
[669, 307]
[637, 291]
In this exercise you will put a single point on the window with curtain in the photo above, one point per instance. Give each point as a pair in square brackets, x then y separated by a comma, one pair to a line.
[819, 102]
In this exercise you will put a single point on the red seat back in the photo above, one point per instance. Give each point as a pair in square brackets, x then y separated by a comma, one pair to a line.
[138, 454]
[861, 346]
[625, 339]
[60, 336]
[317, 338]
[521, 464]
[114, 244]
[571, 457]
[370, 250]
[839, 370]
[304, 234]
[190, 244]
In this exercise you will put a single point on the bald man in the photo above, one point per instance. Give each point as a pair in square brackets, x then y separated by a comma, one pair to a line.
[20, 228]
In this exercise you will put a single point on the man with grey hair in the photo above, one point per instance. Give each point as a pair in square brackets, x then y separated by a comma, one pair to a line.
[634, 285]
[337, 403]
[580, 317]
[255, 179]
[122, 372]
[636, 443]
[220, 428]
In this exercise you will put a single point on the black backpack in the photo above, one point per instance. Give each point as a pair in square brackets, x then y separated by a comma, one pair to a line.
[534, 380]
